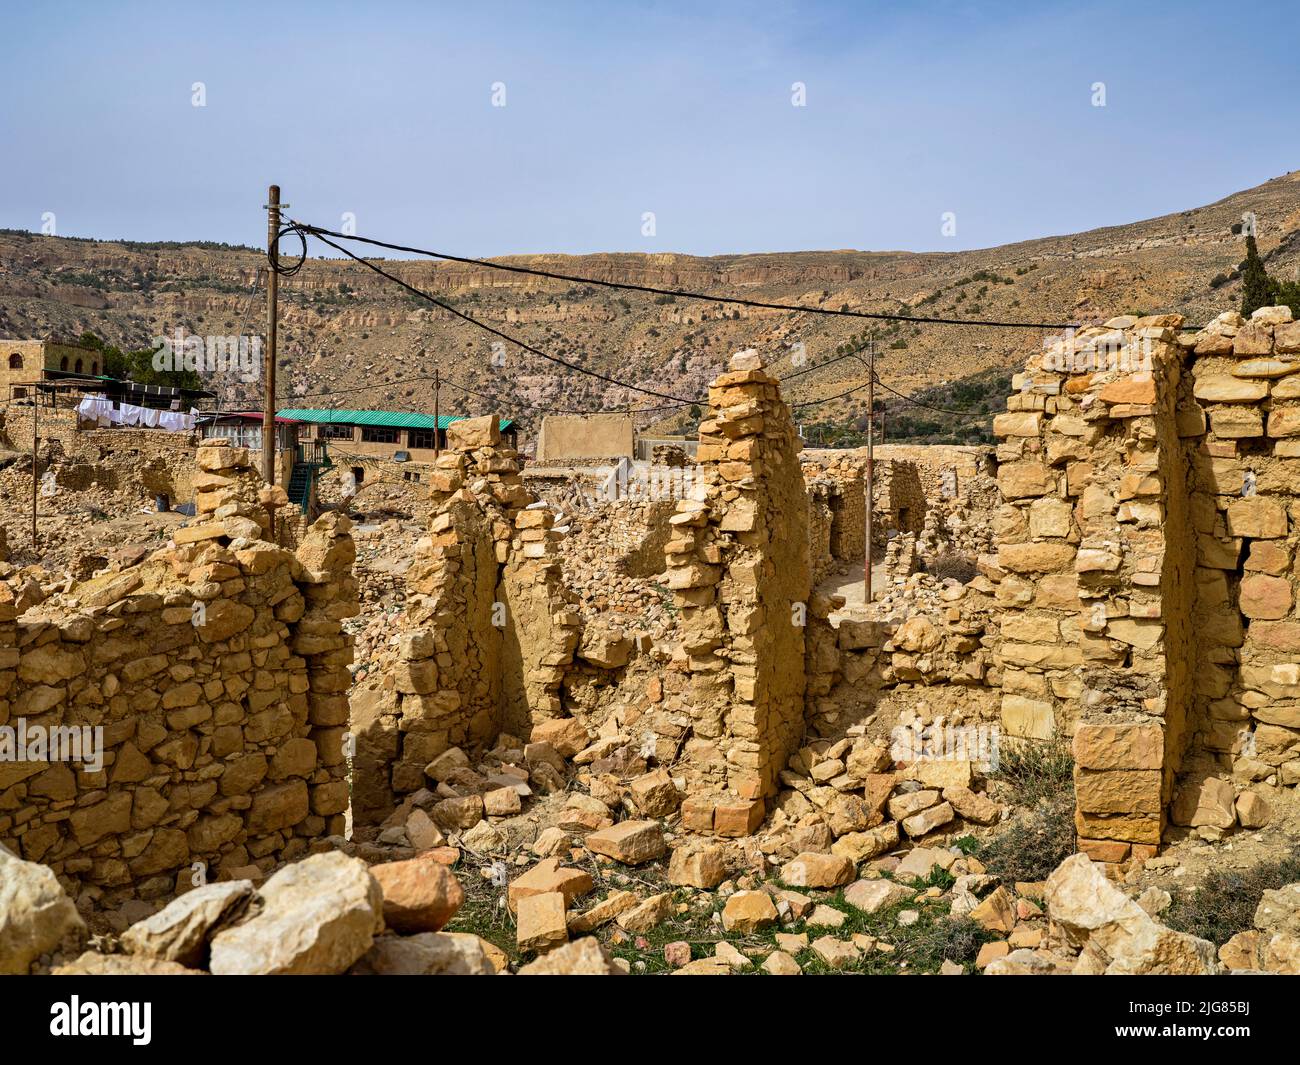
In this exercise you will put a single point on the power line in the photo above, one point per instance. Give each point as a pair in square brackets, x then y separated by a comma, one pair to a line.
[928, 406]
[317, 231]
[492, 329]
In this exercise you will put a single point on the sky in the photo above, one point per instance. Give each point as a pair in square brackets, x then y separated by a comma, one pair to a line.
[492, 127]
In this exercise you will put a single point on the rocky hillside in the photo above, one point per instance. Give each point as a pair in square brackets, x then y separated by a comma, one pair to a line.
[350, 339]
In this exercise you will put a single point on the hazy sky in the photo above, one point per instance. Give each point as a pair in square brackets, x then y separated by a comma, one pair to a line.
[615, 109]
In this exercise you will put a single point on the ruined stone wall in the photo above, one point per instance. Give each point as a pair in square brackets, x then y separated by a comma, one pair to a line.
[1145, 560]
[134, 461]
[738, 567]
[915, 488]
[217, 671]
[1096, 569]
[820, 521]
[1243, 411]
[486, 634]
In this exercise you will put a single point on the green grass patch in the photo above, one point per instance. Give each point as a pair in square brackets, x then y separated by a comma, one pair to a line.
[1225, 903]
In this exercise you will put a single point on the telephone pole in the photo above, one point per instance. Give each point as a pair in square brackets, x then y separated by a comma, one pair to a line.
[871, 435]
[437, 421]
[36, 419]
[272, 300]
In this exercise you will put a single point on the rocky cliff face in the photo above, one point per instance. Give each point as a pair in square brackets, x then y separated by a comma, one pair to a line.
[351, 339]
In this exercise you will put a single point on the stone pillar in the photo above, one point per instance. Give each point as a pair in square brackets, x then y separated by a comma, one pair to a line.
[739, 572]
[1095, 559]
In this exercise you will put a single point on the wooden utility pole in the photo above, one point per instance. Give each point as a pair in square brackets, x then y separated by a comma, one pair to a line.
[437, 421]
[871, 434]
[36, 419]
[272, 299]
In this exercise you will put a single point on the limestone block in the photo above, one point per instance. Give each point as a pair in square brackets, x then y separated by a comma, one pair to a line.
[1257, 517]
[1226, 389]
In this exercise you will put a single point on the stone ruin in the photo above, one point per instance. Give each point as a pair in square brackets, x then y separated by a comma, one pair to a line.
[215, 673]
[1139, 600]
[1145, 569]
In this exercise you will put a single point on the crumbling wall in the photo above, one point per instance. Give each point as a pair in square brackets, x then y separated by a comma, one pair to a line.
[486, 634]
[739, 571]
[1243, 411]
[1145, 559]
[1096, 572]
[126, 460]
[215, 675]
[928, 500]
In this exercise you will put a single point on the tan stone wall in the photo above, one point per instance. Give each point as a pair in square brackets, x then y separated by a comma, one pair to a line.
[217, 671]
[1243, 412]
[1145, 555]
[486, 634]
[121, 459]
[739, 570]
[595, 436]
[38, 355]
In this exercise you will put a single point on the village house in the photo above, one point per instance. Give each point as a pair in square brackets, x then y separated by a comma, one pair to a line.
[358, 438]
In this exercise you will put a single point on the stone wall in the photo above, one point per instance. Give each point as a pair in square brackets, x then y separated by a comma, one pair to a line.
[132, 461]
[217, 672]
[1145, 549]
[739, 571]
[1242, 406]
[915, 488]
[487, 631]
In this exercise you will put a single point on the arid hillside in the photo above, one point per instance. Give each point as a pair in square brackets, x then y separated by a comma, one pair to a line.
[351, 339]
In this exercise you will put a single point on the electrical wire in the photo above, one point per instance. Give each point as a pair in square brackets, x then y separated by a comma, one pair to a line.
[317, 231]
[524, 345]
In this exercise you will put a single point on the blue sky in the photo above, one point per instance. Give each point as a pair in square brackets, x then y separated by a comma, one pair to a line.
[615, 109]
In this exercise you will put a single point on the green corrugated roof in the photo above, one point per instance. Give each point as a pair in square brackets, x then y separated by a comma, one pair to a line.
[396, 419]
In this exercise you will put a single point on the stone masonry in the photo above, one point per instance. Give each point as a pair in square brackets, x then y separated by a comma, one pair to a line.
[216, 670]
[1144, 561]
[739, 571]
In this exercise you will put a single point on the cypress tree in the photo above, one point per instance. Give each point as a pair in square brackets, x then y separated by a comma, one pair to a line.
[1256, 290]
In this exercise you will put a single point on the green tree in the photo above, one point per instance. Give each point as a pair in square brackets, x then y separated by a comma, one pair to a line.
[137, 365]
[1256, 286]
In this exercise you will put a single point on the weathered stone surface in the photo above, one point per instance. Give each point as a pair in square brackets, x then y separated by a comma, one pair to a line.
[748, 911]
[629, 842]
[582, 957]
[1256, 517]
[1209, 802]
[541, 922]
[648, 914]
[36, 915]
[927, 821]
[95, 964]
[181, 930]
[319, 916]
[1121, 746]
[818, 871]
[1116, 935]
[1265, 597]
[861, 846]
[426, 954]
[872, 896]
[697, 864]
[972, 806]
[836, 953]
[1279, 910]
[419, 895]
[654, 794]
